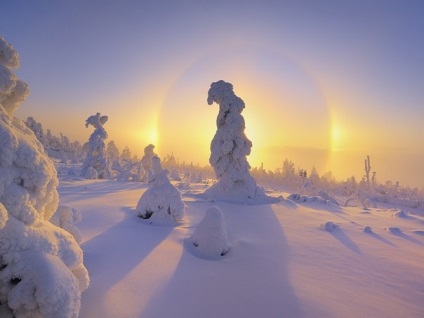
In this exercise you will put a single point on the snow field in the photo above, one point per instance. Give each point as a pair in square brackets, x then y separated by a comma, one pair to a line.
[281, 263]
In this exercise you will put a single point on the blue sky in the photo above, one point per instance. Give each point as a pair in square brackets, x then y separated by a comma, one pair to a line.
[356, 67]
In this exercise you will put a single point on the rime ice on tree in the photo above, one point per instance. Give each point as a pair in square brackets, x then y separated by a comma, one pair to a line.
[41, 265]
[161, 202]
[229, 149]
[96, 164]
[146, 163]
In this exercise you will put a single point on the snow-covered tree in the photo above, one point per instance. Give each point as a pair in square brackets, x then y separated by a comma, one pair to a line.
[96, 158]
[367, 167]
[38, 130]
[146, 163]
[41, 265]
[126, 154]
[112, 151]
[161, 202]
[230, 148]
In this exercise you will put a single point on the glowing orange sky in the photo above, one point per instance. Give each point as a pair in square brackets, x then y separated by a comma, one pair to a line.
[324, 83]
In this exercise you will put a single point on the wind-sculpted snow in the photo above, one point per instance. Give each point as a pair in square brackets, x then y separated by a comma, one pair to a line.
[229, 149]
[41, 265]
[210, 240]
[161, 203]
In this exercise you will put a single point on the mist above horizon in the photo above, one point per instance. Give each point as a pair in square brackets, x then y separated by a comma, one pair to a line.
[324, 84]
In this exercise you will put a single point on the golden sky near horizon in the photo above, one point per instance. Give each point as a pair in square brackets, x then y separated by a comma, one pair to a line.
[324, 83]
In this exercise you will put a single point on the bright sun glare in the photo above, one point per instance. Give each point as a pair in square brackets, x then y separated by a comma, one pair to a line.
[153, 136]
[336, 137]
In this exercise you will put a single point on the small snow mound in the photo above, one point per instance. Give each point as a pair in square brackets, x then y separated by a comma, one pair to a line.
[353, 202]
[327, 197]
[305, 198]
[400, 214]
[210, 240]
[329, 226]
[394, 230]
[183, 186]
[367, 229]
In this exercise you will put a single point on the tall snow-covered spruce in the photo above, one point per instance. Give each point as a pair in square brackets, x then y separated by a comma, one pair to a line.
[229, 150]
[41, 265]
[146, 163]
[96, 164]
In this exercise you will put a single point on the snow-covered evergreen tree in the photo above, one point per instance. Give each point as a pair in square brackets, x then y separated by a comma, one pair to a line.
[41, 265]
[126, 154]
[112, 151]
[38, 130]
[161, 202]
[230, 148]
[146, 163]
[96, 156]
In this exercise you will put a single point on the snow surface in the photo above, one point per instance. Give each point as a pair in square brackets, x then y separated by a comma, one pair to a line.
[281, 263]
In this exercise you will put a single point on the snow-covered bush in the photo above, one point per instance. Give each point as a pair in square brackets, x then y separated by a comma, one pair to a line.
[161, 203]
[96, 156]
[229, 149]
[323, 198]
[210, 239]
[41, 265]
[129, 171]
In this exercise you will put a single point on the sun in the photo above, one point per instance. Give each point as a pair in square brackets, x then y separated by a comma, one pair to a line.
[153, 136]
[336, 138]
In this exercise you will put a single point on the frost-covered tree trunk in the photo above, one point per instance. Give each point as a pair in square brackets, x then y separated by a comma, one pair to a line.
[367, 170]
[230, 148]
[96, 164]
[41, 265]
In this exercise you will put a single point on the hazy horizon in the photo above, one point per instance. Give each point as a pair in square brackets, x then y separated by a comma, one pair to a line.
[324, 84]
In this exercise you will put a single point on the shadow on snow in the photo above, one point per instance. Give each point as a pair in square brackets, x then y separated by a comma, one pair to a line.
[251, 280]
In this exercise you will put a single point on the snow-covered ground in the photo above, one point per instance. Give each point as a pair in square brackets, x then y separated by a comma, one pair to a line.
[285, 259]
